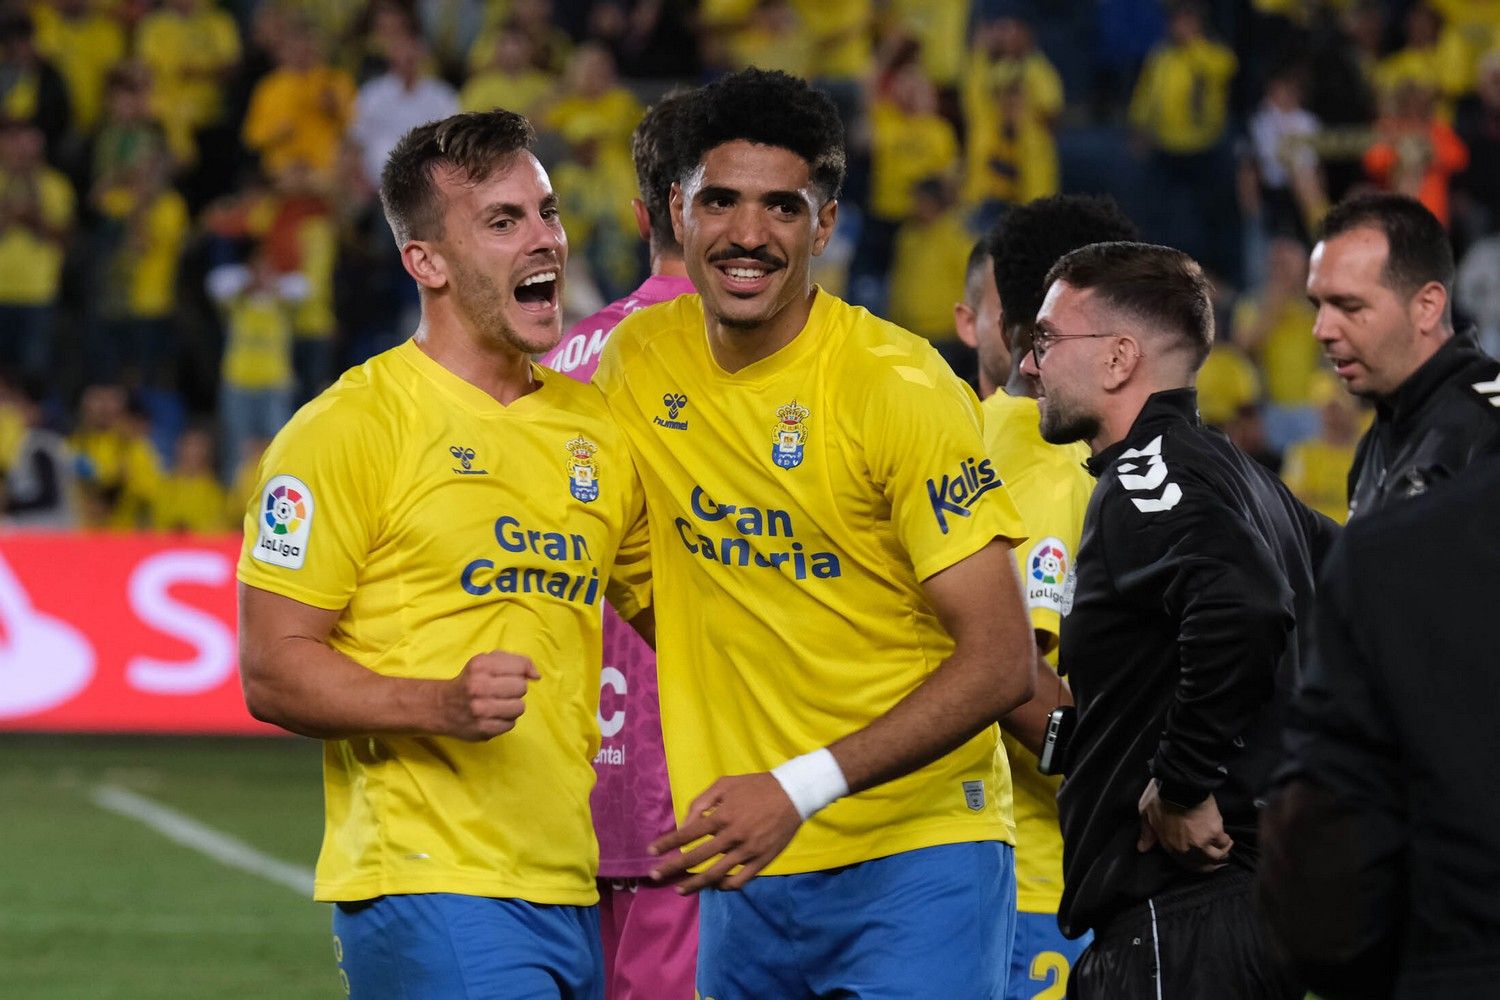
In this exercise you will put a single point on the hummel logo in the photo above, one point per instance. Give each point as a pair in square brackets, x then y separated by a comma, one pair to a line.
[1150, 477]
[675, 402]
[1490, 390]
[465, 458]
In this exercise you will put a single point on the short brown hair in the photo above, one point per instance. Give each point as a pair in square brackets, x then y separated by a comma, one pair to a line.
[475, 143]
[1159, 286]
[653, 147]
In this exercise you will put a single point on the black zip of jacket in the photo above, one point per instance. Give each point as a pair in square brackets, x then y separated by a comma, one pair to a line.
[1441, 418]
[1196, 565]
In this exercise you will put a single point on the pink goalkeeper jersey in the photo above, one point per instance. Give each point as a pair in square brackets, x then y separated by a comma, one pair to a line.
[632, 804]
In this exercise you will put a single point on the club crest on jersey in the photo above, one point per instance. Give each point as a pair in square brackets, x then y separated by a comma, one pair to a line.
[583, 471]
[791, 435]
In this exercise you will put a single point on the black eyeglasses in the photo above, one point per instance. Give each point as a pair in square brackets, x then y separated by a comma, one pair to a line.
[1042, 342]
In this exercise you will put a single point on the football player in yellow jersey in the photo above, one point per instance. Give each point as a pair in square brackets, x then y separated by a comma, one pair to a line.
[839, 622]
[1051, 489]
[426, 560]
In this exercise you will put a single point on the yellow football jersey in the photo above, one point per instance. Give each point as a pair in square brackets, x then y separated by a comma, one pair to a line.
[1051, 489]
[442, 524]
[795, 507]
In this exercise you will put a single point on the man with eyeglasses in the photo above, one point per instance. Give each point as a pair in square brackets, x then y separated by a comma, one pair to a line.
[1180, 637]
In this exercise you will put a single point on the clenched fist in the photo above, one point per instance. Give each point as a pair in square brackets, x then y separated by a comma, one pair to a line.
[487, 696]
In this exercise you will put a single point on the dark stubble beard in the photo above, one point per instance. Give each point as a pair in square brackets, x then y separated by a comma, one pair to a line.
[1063, 425]
[482, 300]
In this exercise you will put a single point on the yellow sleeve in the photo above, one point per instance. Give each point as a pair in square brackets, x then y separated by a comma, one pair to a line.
[315, 514]
[262, 117]
[1055, 501]
[629, 585]
[58, 201]
[1046, 88]
[925, 447]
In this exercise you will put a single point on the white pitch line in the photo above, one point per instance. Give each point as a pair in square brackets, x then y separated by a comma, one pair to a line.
[204, 839]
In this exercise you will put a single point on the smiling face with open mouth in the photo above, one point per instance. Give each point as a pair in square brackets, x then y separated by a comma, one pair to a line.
[750, 220]
[505, 248]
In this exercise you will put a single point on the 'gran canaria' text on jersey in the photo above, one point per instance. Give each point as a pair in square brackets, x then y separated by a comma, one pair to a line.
[752, 522]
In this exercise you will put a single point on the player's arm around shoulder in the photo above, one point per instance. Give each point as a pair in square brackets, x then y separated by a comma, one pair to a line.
[308, 534]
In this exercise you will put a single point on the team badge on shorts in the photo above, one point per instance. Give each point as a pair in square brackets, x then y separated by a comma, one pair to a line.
[286, 513]
[583, 471]
[791, 435]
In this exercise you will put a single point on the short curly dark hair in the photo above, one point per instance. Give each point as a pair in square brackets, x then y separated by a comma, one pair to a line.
[1031, 238]
[476, 143]
[771, 108]
[654, 148]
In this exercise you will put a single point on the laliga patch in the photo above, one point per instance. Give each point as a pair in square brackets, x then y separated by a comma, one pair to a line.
[285, 522]
[1047, 570]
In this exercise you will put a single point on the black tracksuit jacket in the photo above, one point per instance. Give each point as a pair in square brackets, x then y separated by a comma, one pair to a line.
[1181, 645]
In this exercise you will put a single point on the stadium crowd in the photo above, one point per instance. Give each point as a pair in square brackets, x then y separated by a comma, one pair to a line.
[192, 244]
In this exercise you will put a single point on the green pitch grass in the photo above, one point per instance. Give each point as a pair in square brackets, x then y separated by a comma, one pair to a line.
[93, 904]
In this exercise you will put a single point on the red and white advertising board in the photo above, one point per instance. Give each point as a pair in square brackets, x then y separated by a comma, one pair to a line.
[120, 633]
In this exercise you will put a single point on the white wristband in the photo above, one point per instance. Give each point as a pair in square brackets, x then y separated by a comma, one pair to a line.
[812, 781]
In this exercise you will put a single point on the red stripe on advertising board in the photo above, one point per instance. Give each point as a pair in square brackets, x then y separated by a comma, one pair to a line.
[120, 633]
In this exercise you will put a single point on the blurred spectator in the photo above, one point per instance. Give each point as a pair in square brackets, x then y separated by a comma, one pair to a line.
[1004, 53]
[143, 224]
[928, 265]
[1471, 28]
[370, 287]
[1227, 382]
[298, 113]
[1420, 62]
[1477, 188]
[1179, 110]
[31, 89]
[118, 470]
[84, 41]
[509, 78]
[396, 102]
[36, 213]
[909, 140]
[37, 491]
[129, 130]
[190, 498]
[774, 39]
[594, 103]
[594, 191]
[550, 45]
[1477, 291]
[1181, 101]
[1415, 152]
[940, 29]
[256, 380]
[191, 47]
[1012, 156]
[1274, 326]
[842, 51]
[384, 27]
[1291, 199]
[1316, 470]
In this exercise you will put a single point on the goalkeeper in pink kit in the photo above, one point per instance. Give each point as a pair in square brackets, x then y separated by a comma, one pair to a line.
[650, 932]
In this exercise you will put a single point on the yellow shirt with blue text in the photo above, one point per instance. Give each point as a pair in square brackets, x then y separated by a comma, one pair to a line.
[442, 525]
[1051, 489]
[795, 508]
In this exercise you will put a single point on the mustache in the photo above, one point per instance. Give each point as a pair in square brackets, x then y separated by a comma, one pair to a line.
[735, 252]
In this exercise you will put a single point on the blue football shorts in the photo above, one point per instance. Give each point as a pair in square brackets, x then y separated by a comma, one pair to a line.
[935, 922]
[1042, 958]
[444, 946]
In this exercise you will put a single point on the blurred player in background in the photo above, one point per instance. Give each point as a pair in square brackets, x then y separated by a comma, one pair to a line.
[1005, 284]
[426, 560]
[650, 931]
[843, 624]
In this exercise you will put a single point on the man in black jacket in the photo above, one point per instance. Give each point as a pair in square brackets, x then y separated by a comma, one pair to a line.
[1181, 640]
[1382, 846]
[1382, 282]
